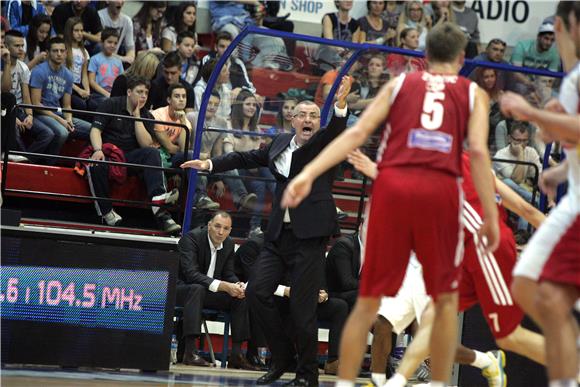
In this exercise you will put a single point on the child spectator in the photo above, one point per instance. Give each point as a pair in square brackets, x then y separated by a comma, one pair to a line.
[112, 17]
[147, 26]
[186, 43]
[36, 40]
[104, 68]
[77, 60]
[49, 83]
[183, 20]
[20, 14]
[144, 66]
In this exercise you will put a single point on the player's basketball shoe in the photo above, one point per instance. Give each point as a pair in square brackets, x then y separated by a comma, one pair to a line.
[495, 372]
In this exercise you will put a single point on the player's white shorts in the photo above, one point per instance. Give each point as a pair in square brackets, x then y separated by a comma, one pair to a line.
[544, 240]
[410, 301]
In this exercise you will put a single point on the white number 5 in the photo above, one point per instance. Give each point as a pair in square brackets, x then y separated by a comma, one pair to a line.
[432, 116]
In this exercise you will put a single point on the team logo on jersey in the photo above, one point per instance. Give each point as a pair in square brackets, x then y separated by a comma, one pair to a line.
[430, 140]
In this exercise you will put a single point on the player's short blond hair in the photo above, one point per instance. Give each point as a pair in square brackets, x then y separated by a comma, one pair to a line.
[445, 43]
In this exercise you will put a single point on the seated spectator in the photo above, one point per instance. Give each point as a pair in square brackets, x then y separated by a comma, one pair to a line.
[238, 73]
[374, 27]
[206, 279]
[89, 16]
[539, 53]
[468, 21]
[104, 68]
[147, 26]
[343, 266]
[365, 89]
[398, 64]
[413, 16]
[20, 13]
[439, 12]
[77, 60]
[391, 14]
[230, 16]
[264, 51]
[245, 117]
[222, 87]
[543, 90]
[37, 40]
[15, 79]
[186, 43]
[135, 139]
[284, 116]
[51, 82]
[170, 74]
[113, 17]
[275, 22]
[487, 79]
[172, 139]
[183, 20]
[145, 65]
[517, 176]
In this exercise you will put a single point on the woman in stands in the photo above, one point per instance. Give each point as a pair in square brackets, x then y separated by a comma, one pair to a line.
[36, 40]
[183, 19]
[147, 26]
[145, 65]
[487, 80]
[245, 117]
[284, 117]
[413, 16]
[374, 27]
[366, 88]
[77, 61]
[398, 64]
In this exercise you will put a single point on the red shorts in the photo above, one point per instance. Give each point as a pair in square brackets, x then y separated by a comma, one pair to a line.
[485, 279]
[563, 266]
[412, 209]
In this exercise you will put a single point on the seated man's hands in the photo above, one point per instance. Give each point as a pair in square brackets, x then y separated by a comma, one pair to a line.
[235, 290]
[322, 296]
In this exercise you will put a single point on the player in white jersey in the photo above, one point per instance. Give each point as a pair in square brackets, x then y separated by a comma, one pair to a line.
[553, 254]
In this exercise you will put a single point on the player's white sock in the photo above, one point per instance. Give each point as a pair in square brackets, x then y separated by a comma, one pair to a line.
[437, 384]
[344, 383]
[397, 380]
[378, 378]
[563, 383]
[481, 360]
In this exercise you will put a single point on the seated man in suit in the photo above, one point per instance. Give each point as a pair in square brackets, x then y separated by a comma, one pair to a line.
[206, 279]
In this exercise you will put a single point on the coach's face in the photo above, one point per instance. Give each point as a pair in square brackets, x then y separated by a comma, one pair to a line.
[219, 228]
[306, 122]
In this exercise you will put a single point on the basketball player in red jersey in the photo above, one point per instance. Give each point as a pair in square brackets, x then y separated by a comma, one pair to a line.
[416, 203]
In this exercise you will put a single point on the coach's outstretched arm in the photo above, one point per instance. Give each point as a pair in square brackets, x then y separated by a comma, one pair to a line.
[480, 163]
[338, 149]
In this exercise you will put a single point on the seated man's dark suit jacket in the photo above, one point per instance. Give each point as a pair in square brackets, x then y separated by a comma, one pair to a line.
[193, 284]
[343, 267]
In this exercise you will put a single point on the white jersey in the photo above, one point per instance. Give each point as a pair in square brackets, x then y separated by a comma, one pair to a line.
[570, 100]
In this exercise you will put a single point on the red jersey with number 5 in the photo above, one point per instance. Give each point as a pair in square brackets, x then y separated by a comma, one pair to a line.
[427, 122]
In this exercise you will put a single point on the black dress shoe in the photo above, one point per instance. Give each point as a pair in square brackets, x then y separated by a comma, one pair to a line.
[302, 382]
[193, 359]
[241, 363]
[272, 375]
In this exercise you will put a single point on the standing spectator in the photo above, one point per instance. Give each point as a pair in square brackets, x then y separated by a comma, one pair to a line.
[89, 16]
[206, 278]
[104, 68]
[77, 60]
[183, 20]
[112, 17]
[135, 139]
[397, 63]
[147, 26]
[171, 74]
[15, 79]
[37, 39]
[413, 16]
[467, 20]
[145, 65]
[231, 16]
[539, 53]
[374, 28]
[186, 43]
[49, 83]
[21, 12]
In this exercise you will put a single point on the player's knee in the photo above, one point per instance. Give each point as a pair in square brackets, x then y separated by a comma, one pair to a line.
[551, 301]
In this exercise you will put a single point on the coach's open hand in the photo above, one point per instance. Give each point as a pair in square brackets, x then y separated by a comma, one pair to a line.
[200, 165]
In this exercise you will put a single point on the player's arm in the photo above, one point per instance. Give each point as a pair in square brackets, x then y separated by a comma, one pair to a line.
[478, 127]
[338, 149]
[514, 202]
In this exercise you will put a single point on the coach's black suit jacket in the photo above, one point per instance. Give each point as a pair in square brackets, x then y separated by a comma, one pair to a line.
[316, 215]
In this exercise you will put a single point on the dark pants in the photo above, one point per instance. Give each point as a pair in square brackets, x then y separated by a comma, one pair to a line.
[194, 298]
[349, 296]
[334, 312]
[99, 176]
[304, 260]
